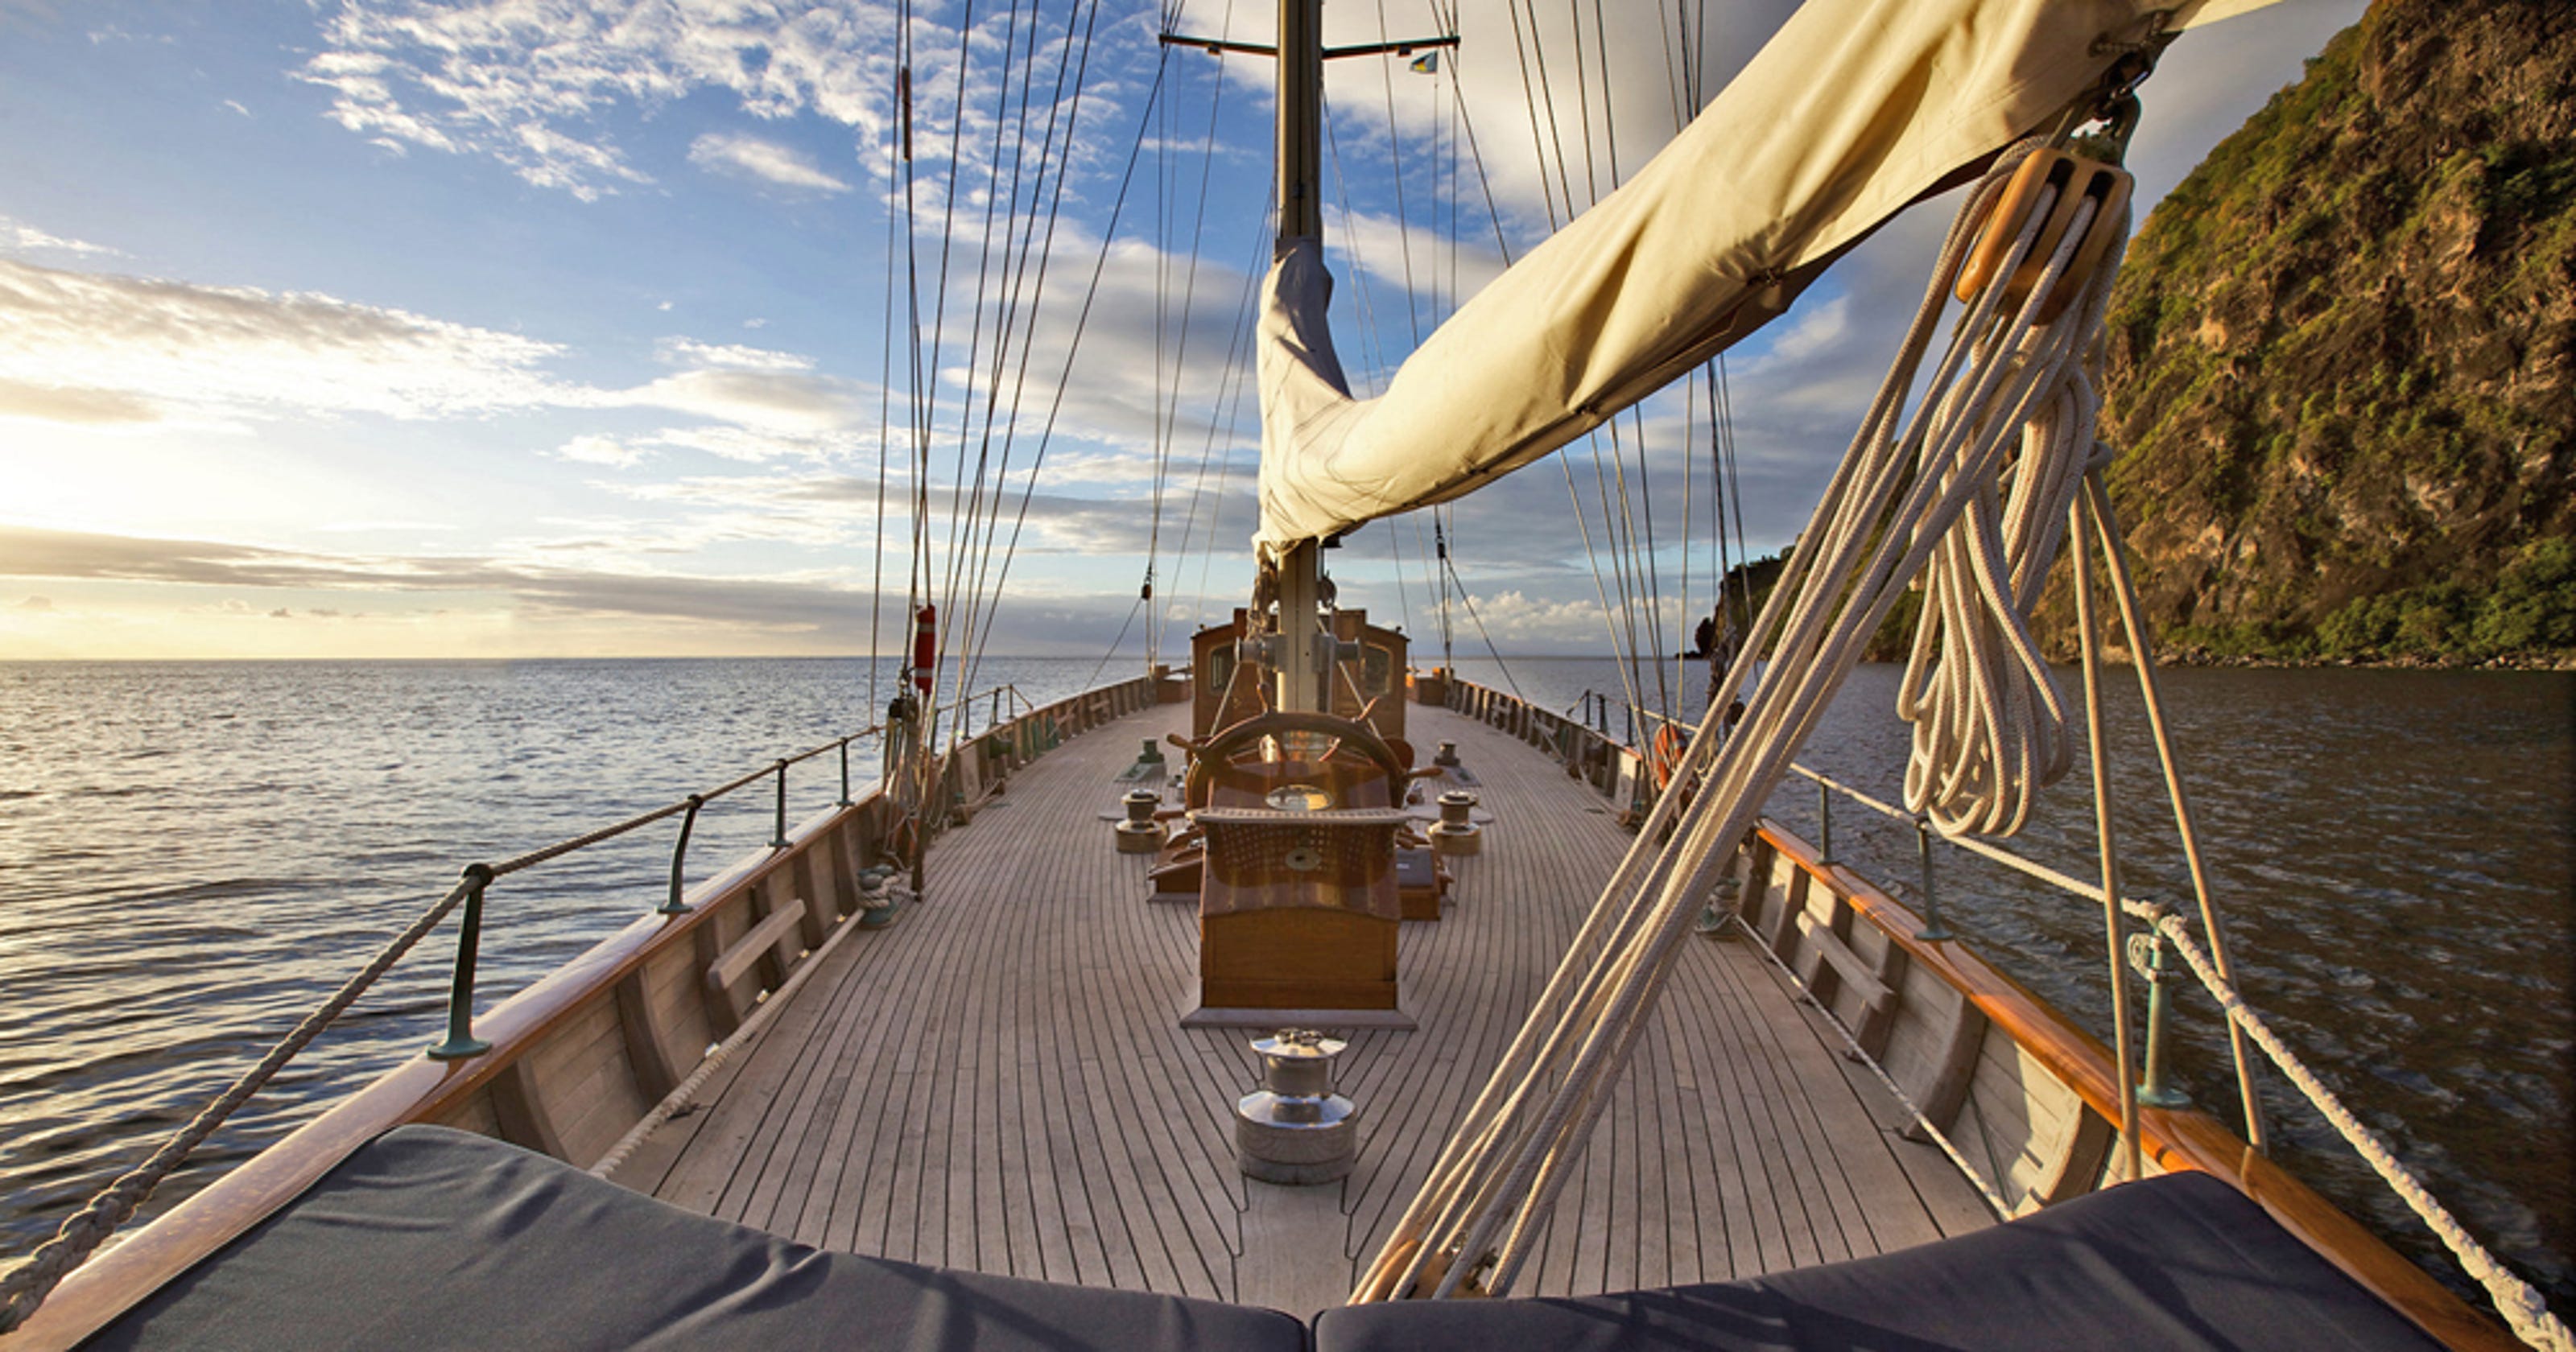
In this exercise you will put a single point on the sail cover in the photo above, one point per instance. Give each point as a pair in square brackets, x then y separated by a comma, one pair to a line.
[1853, 110]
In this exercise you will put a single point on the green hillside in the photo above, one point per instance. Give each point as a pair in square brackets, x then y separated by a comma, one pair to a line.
[2342, 357]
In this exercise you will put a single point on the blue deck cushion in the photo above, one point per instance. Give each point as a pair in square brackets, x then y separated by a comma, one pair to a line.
[429, 1238]
[2183, 1261]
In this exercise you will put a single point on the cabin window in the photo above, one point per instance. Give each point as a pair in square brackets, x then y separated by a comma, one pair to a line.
[1377, 671]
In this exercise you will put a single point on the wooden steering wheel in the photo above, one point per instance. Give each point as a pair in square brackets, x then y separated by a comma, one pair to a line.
[1217, 754]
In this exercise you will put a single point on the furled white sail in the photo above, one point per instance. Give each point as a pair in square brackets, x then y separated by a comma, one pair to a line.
[1854, 109]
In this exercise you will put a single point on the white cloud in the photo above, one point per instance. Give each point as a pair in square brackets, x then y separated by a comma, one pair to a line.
[102, 350]
[526, 84]
[20, 237]
[598, 450]
[536, 86]
[750, 156]
[1410, 258]
[795, 403]
[741, 357]
[752, 445]
[1518, 617]
[77, 406]
[92, 347]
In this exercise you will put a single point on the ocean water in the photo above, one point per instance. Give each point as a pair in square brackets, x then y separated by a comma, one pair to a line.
[192, 855]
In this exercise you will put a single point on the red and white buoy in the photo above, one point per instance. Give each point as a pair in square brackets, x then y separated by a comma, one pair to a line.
[925, 649]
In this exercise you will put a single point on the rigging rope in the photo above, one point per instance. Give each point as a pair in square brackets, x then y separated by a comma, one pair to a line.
[1895, 496]
[1082, 319]
[982, 599]
[26, 1287]
[2522, 1307]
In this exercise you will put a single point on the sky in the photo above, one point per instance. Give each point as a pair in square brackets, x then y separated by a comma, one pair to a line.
[565, 328]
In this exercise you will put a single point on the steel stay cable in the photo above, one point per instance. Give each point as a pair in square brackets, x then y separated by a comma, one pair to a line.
[1230, 402]
[1045, 251]
[1180, 354]
[1229, 391]
[2097, 502]
[1395, 168]
[969, 652]
[1007, 307]
[1233, 404]
[1082, 321]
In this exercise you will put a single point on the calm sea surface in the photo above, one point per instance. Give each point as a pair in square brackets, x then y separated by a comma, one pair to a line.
[192, 855]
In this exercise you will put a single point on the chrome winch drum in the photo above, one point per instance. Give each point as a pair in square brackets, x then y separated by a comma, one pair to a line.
[1295, 1129]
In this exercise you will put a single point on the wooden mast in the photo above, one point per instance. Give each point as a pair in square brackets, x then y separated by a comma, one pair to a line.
[1302, 649]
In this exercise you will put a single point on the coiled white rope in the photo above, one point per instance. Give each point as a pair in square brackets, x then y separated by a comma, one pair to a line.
[1989, 726]
[1895, 497]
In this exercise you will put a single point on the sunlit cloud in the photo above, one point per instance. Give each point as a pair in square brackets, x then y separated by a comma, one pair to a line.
[599, 450]
[60, 404]
[91, 347]
[688, 352]
[744, 156]
[789, 402]
[20, 237]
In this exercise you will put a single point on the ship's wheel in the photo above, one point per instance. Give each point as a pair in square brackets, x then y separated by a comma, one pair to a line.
[1231, 758]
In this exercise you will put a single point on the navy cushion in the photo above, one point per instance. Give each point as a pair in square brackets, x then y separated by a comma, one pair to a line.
[429, 1238]
[2183, 1261]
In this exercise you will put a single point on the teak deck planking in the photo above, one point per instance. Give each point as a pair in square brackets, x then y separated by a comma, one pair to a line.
[999, 1081]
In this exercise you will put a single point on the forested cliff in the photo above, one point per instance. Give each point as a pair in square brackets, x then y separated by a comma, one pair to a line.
[2342, 356]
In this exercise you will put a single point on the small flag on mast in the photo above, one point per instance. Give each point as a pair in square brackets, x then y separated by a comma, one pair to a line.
[1426, 64]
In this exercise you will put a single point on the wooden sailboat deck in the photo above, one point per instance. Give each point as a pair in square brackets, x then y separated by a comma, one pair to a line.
[999, 1082]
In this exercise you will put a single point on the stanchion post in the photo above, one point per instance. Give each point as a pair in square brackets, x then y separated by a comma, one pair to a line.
[778, 836]
[679, 857]
[1933, 930]
[2147, 957]
[1824, 824]
[461, 1042]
